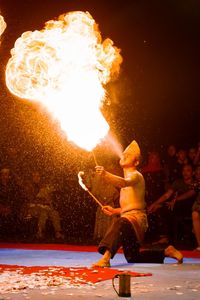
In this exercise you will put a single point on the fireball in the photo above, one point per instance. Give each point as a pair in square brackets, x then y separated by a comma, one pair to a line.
[65, 68]
[2, 25]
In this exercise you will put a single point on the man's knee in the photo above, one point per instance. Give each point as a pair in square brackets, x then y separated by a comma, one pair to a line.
[126, 228]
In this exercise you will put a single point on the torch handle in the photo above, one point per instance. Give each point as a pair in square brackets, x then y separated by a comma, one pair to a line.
[97, 201]
[95, 160]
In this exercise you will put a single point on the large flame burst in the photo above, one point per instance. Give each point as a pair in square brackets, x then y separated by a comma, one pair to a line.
[2, 25]
[65, 67]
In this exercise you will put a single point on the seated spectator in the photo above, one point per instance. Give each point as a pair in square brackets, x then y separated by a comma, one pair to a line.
[192, 152]
[6, 188]
[171, 165]
[154, 176]
[155, 186]
[181, 161]
[196, 207]
[195, 191]
[179, 202]
[10, 201]
[14, 162]
[40, 205]
[197, 156]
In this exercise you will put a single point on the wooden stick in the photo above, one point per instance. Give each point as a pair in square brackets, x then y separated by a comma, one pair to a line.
[80, 174]
[95, 160]
[97, 201]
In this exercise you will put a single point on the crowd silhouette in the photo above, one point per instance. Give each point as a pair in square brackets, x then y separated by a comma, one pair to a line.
[36, 206]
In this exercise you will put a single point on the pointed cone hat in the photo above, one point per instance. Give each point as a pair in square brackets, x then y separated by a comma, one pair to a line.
[134, 150]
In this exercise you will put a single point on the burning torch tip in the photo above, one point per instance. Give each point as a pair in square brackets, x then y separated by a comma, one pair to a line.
[81, 173]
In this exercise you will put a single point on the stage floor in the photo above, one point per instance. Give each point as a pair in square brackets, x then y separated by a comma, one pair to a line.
[168, 280]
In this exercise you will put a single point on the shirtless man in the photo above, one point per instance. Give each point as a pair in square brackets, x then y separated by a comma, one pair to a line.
[128, 230]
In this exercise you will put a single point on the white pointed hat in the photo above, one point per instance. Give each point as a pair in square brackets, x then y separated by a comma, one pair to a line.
[134, 150]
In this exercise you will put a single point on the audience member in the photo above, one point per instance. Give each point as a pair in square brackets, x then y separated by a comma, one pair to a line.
[196, 208]
[197, 156]
[181, 161]
[15, 163]
[179, 203]
[10, 201]
[154, 186]
[170, 165]
[6, 200]
[192, 155]
[40, 205]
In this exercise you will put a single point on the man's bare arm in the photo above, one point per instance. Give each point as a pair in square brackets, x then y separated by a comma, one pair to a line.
[165, 196]
[155, 205]
[113, 179]
[117, 181]
[186, 195]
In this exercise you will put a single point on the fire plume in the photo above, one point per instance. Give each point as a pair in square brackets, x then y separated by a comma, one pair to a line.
[65, 68]
[2, 25]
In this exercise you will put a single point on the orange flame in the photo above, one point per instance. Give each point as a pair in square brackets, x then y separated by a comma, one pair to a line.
[65, 67]
[2, 25]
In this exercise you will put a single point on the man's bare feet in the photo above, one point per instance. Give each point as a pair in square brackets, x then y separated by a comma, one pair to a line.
[172, 252]
[102, 263]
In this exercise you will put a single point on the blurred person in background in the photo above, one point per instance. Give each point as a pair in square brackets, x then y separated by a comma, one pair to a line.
[10, 203]
[154, 177]
[40, 196]
[177, 202]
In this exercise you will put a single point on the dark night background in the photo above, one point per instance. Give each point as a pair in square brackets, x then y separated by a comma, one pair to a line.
[157, 94]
